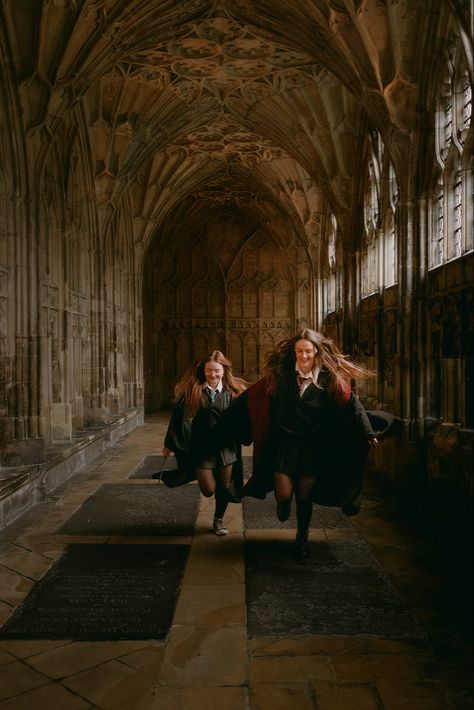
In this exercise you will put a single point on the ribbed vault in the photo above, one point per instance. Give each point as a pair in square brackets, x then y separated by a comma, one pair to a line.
[183, 174]
[243, 102]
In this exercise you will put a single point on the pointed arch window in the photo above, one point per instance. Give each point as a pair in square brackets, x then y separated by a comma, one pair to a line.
[464, 105]
[334, 279]
[378, 258]
[451, 202]
[455, 244]
[390, 253]
[369, 256]
[437, 241]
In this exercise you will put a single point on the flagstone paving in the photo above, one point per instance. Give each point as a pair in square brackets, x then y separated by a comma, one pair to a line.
[208, 660]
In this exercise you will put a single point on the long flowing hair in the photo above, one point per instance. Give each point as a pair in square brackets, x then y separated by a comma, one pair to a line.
[279, 364]
[190, 386]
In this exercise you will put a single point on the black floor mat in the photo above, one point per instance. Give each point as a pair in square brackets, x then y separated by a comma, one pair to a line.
[340, 590]
[259, 514]
[153, 464]
[103, 592]
[129, 509]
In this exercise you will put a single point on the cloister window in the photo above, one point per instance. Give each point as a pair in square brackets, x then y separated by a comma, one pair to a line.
[369, 272]
[464, 102]
[437, 241]
[334, 280]
[455, 245]
[451, 203]
[464, 93]
[378, 255]
[389, 233]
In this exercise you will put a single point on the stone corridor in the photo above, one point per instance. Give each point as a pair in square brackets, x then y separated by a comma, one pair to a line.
[212, 656]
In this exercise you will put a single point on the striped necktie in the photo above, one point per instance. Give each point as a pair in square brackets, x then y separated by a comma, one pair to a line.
[211, 393]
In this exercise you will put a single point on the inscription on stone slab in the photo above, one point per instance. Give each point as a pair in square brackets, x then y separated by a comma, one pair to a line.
[100, 592]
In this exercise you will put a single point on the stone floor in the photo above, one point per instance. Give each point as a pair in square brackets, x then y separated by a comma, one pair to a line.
[207, 661]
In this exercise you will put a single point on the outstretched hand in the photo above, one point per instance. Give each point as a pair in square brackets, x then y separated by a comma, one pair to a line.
[373, 443]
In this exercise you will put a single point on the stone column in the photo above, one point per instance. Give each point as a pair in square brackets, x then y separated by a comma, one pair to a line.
[350, 296]
[420, 382]
[20, 443]
[96, 413]
[407, 307]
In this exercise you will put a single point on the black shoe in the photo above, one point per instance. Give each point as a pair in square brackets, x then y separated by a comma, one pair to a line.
[283, 511]
[302, 546]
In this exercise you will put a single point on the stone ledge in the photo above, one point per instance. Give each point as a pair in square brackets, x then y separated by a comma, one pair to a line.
[23, 487]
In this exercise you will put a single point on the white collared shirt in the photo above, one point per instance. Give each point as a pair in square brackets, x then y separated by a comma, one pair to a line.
[219, 389]
[306, 380]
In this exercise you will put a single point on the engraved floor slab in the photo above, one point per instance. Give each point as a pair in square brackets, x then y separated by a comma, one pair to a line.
[138, 510]
[340, 590]
[260, 514]
[103, 592]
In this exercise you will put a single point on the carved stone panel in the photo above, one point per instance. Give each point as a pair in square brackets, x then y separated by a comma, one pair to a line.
[222, 289]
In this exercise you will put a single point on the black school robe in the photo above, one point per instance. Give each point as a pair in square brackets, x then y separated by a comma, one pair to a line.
[252, 418]
[191, 441]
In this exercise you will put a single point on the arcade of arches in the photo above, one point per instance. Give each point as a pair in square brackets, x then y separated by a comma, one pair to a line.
[182, 176]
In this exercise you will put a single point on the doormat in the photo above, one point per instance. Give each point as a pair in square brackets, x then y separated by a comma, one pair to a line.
[129, 509]
[103, 592]
[153, 464]
[259, 514]
[340, 590]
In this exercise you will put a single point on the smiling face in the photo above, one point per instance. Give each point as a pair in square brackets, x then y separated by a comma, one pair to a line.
[305, 353]
[213, 372]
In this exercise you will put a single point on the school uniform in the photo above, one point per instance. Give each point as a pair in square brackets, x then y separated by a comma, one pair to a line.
[312, 433]
[194, 444]
[307, 423]
[203, 451]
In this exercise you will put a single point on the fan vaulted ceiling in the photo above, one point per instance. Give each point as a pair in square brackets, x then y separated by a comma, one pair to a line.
[257, 105]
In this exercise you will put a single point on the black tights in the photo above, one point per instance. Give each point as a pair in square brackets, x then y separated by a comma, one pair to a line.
[302, 486]
[222, 498]
[217, 485]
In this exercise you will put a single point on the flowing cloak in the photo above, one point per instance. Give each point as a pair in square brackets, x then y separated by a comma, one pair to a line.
[250, 419]
[190, 440]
